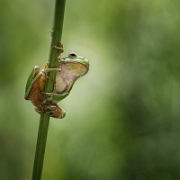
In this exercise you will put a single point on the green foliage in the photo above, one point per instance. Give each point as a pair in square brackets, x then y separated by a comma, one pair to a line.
[122, 118]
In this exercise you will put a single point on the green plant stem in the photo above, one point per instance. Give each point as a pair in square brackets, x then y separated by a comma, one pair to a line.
[45, 117]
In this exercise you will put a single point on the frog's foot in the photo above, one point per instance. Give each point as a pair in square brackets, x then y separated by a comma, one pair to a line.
[54, 110]
[47, 100]
[60, 48]
[46, 108]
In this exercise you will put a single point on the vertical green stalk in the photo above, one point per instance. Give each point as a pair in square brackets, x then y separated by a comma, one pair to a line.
[44, 118]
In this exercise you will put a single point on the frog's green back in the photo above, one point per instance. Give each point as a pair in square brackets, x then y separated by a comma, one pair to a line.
[30, 82]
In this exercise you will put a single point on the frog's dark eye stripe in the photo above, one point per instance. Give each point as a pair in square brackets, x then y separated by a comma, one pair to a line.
[72, 55]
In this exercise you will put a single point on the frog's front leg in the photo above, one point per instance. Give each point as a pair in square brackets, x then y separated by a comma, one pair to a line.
[47, 69]
[59, 48]
[54, 110]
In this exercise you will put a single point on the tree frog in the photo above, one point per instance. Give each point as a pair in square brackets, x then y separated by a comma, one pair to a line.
[69, 69]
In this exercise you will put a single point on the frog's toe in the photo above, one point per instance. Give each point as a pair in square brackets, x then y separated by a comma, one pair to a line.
[46, 109]
[54, 110]
[38, 109]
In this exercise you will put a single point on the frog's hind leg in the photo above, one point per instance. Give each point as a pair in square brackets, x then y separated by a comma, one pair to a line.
[60, 113]
[54, 110]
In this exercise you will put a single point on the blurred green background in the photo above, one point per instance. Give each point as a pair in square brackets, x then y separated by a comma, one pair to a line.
[123, 117]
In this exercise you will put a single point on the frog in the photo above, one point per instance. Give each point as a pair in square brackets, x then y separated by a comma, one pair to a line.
[69, 69]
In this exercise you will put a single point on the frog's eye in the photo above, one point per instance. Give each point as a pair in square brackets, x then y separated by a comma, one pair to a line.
[72, 55]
